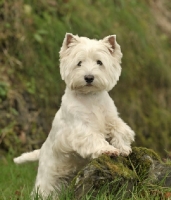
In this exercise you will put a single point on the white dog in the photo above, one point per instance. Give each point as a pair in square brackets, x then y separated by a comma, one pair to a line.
[87, 123]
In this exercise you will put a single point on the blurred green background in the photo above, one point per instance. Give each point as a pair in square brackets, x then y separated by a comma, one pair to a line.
[31, 34]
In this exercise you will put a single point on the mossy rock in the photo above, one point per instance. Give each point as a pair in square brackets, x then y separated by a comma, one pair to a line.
[115, 172]
[103, 171]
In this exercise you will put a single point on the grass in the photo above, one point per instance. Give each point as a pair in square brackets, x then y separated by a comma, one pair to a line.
[16, 183]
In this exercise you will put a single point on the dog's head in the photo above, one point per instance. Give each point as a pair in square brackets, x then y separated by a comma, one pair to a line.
[89, 65]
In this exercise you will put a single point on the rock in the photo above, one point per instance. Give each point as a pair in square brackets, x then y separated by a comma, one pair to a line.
[141, 165]
[148, 166]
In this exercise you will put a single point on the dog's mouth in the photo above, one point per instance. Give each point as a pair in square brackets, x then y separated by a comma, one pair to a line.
[89, 84]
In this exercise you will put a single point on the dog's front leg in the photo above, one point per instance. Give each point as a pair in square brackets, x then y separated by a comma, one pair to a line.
[122, 136]
[91, 145]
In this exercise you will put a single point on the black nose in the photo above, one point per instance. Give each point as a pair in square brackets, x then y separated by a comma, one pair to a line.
[89, 78]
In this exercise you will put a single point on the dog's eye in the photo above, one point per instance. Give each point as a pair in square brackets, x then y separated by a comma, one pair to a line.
[99, 62]
[79, 64]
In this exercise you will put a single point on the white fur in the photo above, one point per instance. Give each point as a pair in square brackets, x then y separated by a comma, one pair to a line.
[87, 123]
[27, 157]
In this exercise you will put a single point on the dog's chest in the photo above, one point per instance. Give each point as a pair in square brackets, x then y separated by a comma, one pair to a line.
[95, 112]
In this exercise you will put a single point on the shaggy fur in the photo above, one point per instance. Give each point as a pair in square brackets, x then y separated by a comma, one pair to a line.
[87, 123]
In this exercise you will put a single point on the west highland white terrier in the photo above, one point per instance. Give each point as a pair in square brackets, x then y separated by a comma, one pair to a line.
[87, 123]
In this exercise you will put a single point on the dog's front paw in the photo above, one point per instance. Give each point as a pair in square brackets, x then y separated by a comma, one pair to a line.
[125, 150]
[109, 150]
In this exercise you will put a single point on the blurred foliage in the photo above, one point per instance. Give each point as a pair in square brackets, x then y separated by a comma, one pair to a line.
[3, 91]
[31, 34]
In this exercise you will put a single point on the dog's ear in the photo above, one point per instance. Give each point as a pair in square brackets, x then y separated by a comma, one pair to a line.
[111, 40]
[113, 47]
[69, 39]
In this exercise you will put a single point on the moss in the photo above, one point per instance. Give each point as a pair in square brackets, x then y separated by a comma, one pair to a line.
[116, 165]
[141, 159]
[138, 152]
